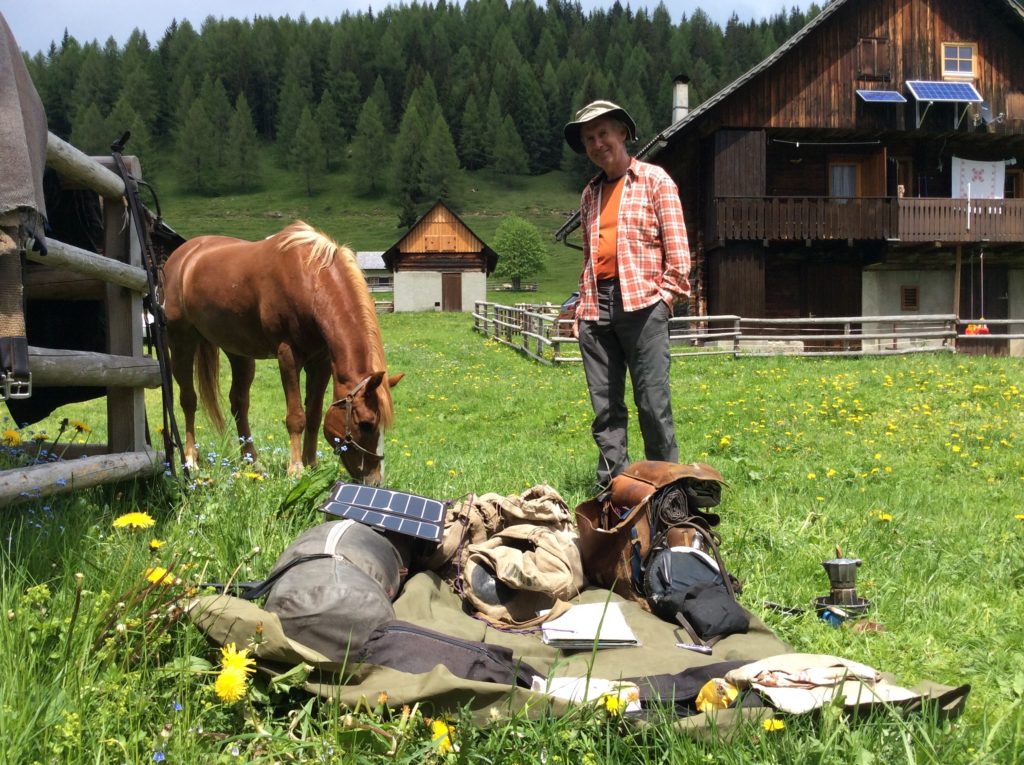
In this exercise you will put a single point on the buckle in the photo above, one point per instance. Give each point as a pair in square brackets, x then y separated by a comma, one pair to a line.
[16, 387]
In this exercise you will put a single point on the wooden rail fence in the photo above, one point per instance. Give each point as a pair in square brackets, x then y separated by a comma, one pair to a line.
[537, 332]
[117, 277]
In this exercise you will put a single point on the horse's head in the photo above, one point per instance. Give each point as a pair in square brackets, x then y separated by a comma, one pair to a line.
[354, 423]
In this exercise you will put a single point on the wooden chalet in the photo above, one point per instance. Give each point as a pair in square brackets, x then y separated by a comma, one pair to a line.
[440, 264]
[872, 166]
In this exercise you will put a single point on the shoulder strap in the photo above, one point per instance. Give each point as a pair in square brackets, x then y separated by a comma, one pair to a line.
[254, 590]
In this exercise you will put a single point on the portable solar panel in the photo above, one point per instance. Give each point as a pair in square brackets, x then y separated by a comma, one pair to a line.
[387, 509]
[961, 92]
[882, 96]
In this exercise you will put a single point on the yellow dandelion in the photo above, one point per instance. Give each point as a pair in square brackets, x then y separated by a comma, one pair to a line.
[80, 426]
[811, 476]
[230, 685]
[430, 463]
[724, 441]
[230, 658]
[159, 575]
[253, 476]
[442, 735]
[1019, 516]
[773, 725]
[716, 694]
[885, 517]
[830, 472]
[40, 437]
[134, 521]
[11, 437]
[156, 544]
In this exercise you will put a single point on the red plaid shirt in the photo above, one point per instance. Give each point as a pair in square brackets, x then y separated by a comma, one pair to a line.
[652, 252]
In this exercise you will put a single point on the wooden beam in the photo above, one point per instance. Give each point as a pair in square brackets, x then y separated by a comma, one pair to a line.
[90, 264]
[77, 166]
[43, 283]
[25, 484]
[57, 368]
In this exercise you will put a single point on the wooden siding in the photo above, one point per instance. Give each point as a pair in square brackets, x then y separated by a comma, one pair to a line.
[814, 85]
[440, 231]
[440, 261]
[736, 281]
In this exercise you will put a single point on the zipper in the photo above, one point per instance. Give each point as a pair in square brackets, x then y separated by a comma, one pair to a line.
[475, 648]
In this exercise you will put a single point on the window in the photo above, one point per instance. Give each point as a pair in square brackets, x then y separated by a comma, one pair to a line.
[842, 179]
[958, 60]
[909, 298]
[1014, 188]
[873, 57]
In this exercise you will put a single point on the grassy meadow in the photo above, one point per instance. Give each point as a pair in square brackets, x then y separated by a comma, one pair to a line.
[913, 464]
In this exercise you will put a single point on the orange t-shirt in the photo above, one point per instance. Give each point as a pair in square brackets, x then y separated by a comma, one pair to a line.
[608, 228]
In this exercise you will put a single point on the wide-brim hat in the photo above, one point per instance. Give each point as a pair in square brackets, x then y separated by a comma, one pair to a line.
[591, 112]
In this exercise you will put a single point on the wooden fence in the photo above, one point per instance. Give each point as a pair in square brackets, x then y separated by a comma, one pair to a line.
[537, 332]
[118, 277]
[866, 218]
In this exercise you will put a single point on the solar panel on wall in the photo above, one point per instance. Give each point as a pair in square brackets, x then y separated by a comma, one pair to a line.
[882, 96]
[925, 90]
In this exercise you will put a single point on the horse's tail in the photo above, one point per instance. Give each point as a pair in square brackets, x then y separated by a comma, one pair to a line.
[207, 373]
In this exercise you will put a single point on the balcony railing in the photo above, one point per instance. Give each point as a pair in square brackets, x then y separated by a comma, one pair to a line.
[885, 218]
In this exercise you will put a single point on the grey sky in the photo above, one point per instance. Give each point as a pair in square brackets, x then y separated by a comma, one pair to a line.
[36, 24]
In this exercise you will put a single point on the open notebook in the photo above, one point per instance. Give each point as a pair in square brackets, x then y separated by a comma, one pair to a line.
[582, 626]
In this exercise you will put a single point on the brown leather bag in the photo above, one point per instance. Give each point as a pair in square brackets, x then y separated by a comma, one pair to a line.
[616, 527]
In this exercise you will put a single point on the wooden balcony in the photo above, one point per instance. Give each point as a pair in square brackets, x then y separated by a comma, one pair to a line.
[884, 218]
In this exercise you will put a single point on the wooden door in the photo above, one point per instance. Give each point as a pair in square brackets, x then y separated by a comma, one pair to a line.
[984, 293]
[451, 292]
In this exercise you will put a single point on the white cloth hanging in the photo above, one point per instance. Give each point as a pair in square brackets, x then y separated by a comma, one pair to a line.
[978, 180]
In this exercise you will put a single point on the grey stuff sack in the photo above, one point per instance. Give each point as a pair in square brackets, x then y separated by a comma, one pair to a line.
[341, 592]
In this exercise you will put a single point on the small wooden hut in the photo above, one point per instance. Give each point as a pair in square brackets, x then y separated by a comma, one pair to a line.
[440, 264]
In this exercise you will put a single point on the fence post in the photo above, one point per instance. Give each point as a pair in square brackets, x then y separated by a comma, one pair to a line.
[846, 338]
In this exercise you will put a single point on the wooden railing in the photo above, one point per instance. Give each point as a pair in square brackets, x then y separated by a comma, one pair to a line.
[539, 334]
[879, 218]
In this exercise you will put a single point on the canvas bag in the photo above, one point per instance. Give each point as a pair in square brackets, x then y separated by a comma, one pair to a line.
[519, 572]
[334, 585]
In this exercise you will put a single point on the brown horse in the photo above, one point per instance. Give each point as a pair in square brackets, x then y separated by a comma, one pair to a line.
[298, 297]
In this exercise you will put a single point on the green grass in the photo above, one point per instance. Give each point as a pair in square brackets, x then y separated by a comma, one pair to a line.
[913, 464]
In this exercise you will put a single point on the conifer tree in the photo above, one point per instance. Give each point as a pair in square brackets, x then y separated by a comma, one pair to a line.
[407, 155]
[509, 155]
[441, 177]
[493, 117]
[242, 170]
[307, 154]
[473, 142]
[123, 118]
[370, 156]
[196, 168]
[89, 131]
[331, 132]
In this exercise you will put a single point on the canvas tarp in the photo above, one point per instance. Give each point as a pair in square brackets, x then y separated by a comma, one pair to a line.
[428, 602]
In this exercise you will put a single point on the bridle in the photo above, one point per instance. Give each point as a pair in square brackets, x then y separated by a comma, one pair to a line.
[349, 441]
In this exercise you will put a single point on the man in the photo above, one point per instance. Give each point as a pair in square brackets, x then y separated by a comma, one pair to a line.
[636, 262]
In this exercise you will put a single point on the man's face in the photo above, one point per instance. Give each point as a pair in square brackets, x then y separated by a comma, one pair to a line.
[605, 142]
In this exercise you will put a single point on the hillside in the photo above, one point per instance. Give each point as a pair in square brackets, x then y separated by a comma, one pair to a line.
[372, 223]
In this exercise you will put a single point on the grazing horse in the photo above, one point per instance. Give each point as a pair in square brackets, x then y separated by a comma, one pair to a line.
[296, 296]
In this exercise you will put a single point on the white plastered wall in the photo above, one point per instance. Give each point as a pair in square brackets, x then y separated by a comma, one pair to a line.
[421, 290]
[1016, 295]
[880, 296]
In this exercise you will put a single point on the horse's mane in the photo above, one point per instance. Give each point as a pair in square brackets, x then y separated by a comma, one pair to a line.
[323, 253]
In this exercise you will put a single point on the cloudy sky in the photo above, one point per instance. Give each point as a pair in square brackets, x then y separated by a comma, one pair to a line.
[37, 23]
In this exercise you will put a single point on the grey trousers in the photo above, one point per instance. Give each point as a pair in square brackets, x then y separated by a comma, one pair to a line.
[637, 341]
